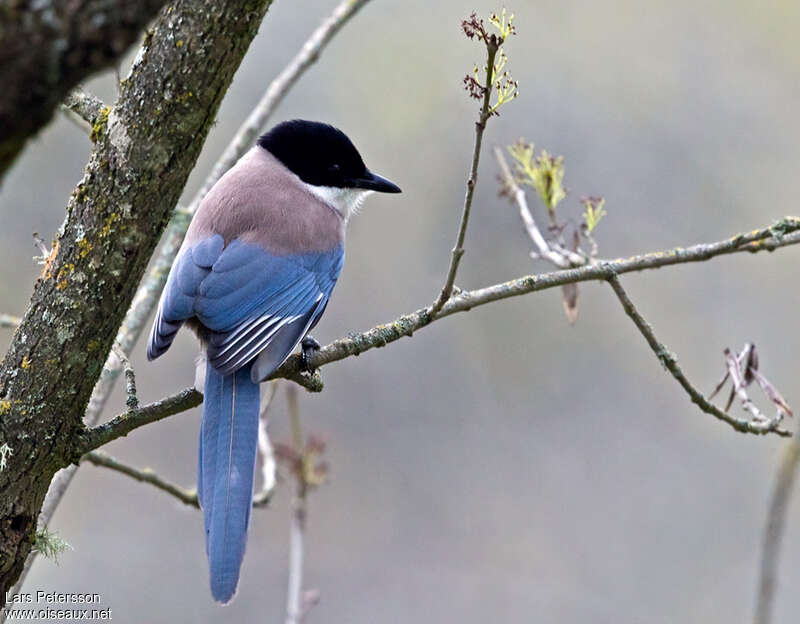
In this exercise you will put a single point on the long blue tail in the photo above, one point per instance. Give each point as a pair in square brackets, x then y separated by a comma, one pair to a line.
[228, 442]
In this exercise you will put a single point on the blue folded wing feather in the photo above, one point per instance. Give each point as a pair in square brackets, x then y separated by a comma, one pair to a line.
[245, 298]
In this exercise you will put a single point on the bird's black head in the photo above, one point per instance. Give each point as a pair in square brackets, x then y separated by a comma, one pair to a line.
[322, 155]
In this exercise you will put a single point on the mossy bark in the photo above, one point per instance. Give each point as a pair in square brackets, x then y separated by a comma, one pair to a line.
[143, 155]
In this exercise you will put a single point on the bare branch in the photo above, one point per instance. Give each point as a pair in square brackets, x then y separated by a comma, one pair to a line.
[773, 532]
[783, 233]
[131, 400]
[186, 496]
[670, 362]
[480, 126]
[87, 106]
[138, 417]
[145, 475]
[126, 422]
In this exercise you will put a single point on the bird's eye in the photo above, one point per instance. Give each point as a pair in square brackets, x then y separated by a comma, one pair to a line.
[334, 168]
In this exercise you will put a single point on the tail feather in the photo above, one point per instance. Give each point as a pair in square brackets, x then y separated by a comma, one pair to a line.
[226, 466]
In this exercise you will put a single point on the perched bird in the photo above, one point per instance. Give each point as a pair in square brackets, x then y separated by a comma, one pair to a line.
[254, 275]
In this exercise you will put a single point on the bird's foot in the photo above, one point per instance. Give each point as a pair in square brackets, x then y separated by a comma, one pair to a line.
[308, 347]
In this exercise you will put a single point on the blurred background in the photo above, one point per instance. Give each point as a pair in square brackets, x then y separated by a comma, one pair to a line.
[501, 465]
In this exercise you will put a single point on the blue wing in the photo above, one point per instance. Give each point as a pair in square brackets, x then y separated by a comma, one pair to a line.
[250, 304]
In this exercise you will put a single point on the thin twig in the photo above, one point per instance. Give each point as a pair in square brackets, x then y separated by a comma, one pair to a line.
[146, 475]
[143, 475]
[480, 126]
[773, 532]
[294, 605]
[560, 257]
[131, 399]
[670, 362]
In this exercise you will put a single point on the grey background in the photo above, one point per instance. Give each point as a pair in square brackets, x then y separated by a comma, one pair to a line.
[500, 465]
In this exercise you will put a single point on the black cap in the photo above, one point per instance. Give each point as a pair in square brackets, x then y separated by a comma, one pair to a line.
[322, 155]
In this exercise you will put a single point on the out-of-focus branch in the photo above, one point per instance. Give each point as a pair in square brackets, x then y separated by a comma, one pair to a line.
[8, 321]
[276, 91]
[773, 532]
[48, 47]
[480, 126]
[265, 451]
[742, 370]
[300, 456]
[298, 523]
[670, 362]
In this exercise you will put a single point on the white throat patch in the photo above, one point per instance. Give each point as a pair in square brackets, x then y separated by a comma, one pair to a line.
[345, 201]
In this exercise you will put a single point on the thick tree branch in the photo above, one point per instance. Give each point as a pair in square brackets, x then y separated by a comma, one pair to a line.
[48, 47]
[114, 219]
[773, 532]
[670, 362]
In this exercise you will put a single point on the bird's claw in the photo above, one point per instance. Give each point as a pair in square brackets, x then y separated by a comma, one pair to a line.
[308, 347]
